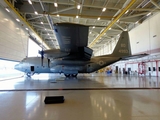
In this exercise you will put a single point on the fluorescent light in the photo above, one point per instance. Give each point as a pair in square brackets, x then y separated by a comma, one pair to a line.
[118, 20]
[48, 33]
[148, 14]
[26, 28]
[45, 28]
[78, 6]
[98, 18]
[55, 4]
[90, 32]
[57, 15]
[110, 28]
[18, 20]
[77, 16]
[6, 19]
[136, 22]
[104, 9]
[36, 12]
[93, 26]
[7, 9]
[30, 2]
[41, 22]
[126, 11]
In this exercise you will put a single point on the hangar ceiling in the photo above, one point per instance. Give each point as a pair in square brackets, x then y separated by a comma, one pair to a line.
[98, 14]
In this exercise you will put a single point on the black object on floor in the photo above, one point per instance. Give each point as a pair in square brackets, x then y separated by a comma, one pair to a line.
[54, 99]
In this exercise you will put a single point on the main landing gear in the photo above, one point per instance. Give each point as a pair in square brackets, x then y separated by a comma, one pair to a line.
[71, 75]
[29, 74]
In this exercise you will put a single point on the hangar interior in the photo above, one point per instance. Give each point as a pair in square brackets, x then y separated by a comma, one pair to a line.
[131, 92]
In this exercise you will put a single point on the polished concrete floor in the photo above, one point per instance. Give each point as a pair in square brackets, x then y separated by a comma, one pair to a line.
[87, 97]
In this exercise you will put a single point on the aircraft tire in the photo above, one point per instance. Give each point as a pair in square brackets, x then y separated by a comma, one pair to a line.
[28, 74]
[74, 75]
[67, 75]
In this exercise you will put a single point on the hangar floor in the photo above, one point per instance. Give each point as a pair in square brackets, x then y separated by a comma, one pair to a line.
[87, 97]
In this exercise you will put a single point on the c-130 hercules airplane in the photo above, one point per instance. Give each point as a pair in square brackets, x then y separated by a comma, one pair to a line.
[74, 56]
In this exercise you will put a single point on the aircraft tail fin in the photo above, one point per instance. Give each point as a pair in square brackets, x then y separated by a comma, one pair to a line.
[122, 48]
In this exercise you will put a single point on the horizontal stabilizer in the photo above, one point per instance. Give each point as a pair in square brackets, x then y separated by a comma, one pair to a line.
[134, 56]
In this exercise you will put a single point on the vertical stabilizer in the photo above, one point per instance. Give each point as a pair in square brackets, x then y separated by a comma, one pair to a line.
[122, 48]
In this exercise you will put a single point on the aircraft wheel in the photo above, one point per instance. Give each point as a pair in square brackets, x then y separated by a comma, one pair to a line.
[28, 74]
[74, 75]
[67, 75]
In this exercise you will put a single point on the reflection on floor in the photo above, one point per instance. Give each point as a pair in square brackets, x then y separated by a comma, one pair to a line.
[87, 104]
[83, 81]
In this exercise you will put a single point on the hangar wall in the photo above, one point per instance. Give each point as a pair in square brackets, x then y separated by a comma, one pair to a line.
[13, 37]
[145, 38]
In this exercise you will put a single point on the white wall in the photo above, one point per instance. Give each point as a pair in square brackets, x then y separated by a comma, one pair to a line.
[13, 37]
[33, 49]
[148, 36]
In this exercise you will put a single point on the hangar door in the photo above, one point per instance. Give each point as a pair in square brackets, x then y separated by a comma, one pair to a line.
[13, 37]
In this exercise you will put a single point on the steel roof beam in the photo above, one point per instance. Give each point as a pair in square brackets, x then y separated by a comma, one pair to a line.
[112, 22]
[155, 4]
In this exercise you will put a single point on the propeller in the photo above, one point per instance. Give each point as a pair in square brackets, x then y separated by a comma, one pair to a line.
[42, 56]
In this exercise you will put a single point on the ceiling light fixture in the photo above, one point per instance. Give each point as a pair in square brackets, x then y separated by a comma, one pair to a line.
[48, 33]
[18, 20]
[41, 22]
[36, 12]
[45, 28]
[148, 14]
[126, 11]
[110, 28]
[78, 6]
[77, 16]
[6, 19]
[7, 9]
[93, 26]
[98, 18]
[55, 4]
[26, 28]
[30, 2]
[118, 20]
[57, 15]
[136, 22]
[104, 9]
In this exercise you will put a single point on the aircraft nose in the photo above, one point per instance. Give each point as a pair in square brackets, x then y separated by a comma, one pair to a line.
[16, 66]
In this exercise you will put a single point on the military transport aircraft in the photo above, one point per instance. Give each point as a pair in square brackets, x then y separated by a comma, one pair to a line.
[74, 56]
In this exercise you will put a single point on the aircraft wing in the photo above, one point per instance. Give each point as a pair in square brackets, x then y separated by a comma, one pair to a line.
[53, 53]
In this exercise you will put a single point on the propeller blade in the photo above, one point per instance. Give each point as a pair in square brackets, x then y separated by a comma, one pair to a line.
[42, 56]
[48, 62]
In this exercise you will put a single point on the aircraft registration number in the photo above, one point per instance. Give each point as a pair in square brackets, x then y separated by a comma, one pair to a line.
[123, 51]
